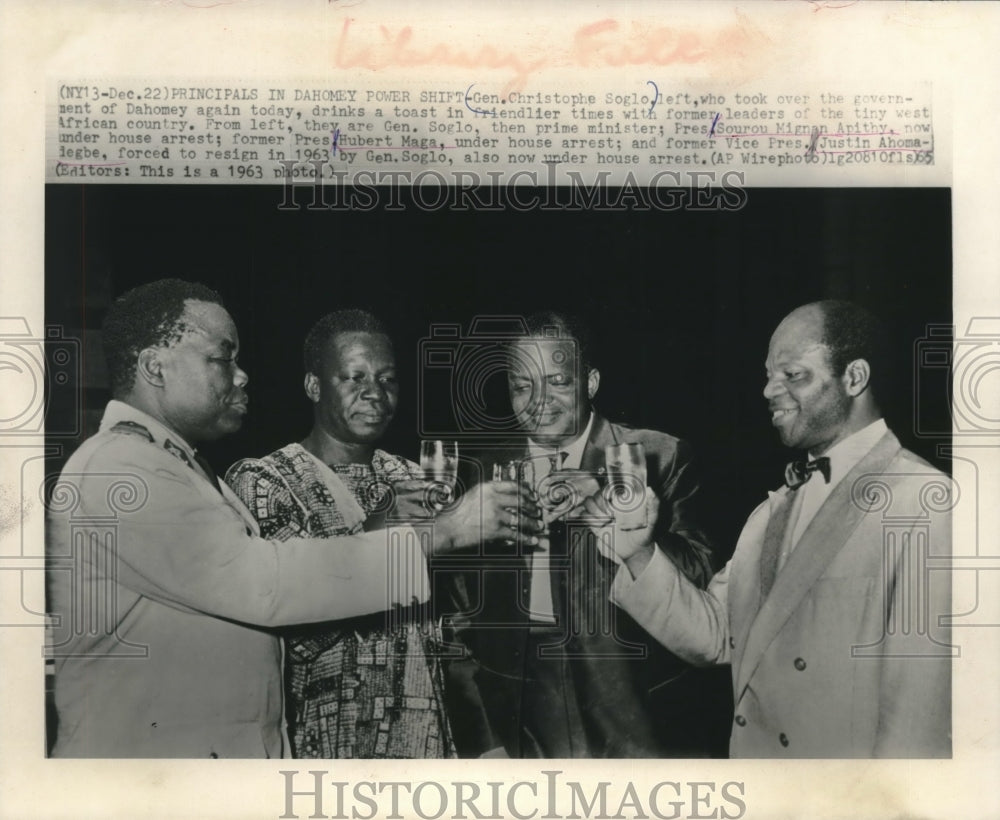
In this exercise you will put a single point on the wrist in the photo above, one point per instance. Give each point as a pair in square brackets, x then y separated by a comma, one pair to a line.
[639, 560]
[443, 537]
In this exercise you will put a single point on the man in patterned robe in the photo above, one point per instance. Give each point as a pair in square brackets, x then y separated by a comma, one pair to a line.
[367, 687]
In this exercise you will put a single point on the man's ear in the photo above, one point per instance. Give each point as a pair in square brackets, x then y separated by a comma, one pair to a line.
[857, 377]
[149, 366]
[593, 382]
[311, 385]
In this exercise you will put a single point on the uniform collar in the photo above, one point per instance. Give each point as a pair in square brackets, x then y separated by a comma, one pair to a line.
[118, 412]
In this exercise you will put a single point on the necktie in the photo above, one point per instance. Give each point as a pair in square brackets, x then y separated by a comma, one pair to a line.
[553, 490]
[798, 473]
[540, 595]
[206, 468]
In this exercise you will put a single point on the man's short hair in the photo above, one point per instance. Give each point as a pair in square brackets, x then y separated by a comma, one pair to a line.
[851, 332]
[351, 320]
[550, 324]
[146, 316]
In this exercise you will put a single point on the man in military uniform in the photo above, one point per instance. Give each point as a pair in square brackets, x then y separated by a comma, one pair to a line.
[162, 590]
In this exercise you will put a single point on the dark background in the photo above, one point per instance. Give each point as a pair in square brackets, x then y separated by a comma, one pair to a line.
[683, 303]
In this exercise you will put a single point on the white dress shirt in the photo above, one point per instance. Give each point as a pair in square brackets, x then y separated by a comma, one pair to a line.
[811, 495]
[567, 457]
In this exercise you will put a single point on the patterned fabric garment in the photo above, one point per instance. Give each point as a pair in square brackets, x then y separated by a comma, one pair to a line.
[367, 687]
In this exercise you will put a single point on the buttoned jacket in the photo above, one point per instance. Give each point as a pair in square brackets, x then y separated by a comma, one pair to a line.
[164, 597]
[846, 655]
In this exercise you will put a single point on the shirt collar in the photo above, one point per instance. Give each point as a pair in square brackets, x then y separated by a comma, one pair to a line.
[848, 452]
[573, 450]
[119, 411]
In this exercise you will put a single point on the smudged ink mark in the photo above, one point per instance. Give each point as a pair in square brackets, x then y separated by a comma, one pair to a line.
[336, 139]
[818, 5]
[813, 141]
[476, 110]
[656, 96]
[715, 122]
[10, 510]
[825, 135]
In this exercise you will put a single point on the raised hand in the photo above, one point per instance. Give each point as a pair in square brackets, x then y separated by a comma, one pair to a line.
[634, 547]
[563, 492]
[490, 511]
[412, 500]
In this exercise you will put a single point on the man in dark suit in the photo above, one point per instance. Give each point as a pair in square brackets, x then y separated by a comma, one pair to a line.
[558, 670]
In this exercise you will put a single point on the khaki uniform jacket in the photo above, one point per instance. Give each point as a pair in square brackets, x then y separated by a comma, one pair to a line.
[163, 595]
[844, 656]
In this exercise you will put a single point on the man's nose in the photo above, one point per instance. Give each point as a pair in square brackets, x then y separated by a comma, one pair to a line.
[540, 401]
[372, 389]
[773, 388]
[240, 378]
[544, 394]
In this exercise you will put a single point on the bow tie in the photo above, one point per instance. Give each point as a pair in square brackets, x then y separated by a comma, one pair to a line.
[797, 473]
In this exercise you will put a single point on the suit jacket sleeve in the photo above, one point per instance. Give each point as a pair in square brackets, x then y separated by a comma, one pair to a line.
[185, 549]
[680, 529]
[692, 623]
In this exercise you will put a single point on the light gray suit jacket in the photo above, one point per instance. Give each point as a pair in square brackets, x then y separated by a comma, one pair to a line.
[844, 656]
[163, 592]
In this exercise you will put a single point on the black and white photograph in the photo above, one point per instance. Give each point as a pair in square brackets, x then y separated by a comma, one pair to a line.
[527, 413]
[336, 355]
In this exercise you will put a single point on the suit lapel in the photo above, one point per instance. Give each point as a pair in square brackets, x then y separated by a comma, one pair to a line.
[745, 595]
[823, 539]
[774, 535]
[600, 436]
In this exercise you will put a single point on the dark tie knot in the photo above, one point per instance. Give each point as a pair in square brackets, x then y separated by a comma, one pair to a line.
[556, 460]
[797, 473]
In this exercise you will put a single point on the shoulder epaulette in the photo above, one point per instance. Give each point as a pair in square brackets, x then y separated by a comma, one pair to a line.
[177, 451]
[132, 428]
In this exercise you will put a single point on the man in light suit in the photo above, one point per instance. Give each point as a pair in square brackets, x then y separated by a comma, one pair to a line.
[161, 589]
[559, 672]
[826, 611]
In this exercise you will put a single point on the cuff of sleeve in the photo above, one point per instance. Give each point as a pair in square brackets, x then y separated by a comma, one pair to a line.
[626, 587]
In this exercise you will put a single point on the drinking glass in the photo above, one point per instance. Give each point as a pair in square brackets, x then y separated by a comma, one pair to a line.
[626, 464]
[517, 470]
[439, 464]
